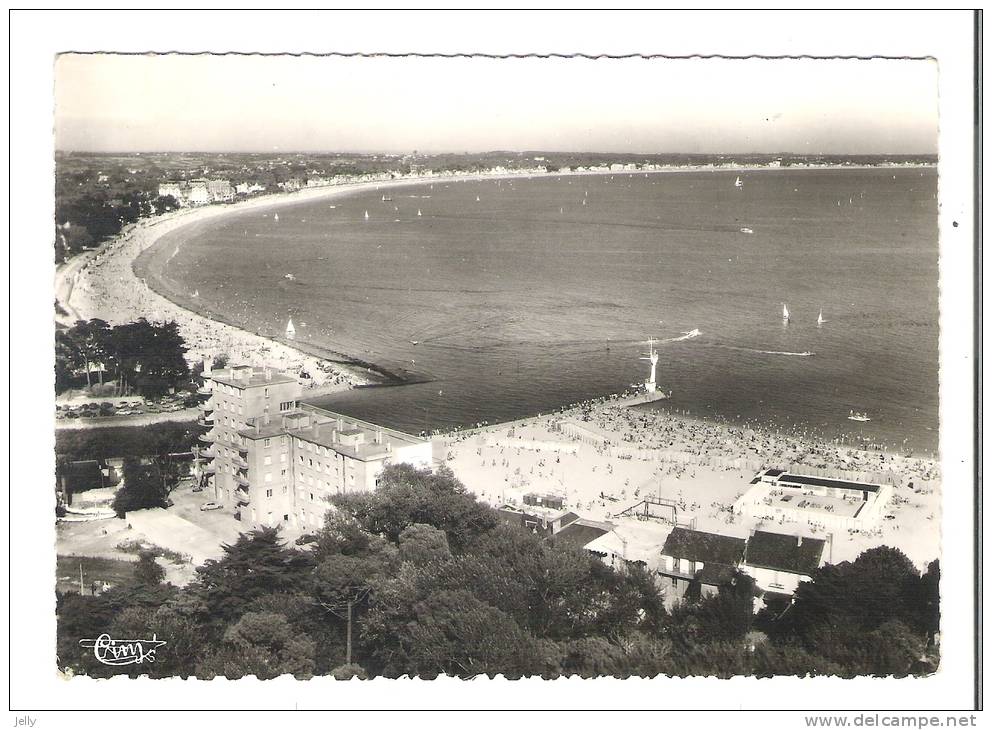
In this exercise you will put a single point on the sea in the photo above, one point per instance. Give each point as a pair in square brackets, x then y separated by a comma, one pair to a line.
[495, 300]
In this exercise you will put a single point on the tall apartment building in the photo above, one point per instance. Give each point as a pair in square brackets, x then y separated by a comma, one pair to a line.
[276, 461]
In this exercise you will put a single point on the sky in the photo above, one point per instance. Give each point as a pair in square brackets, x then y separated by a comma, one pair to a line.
[209, 103]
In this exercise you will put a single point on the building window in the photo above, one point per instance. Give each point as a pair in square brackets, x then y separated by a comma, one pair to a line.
[282, 457]
[268, 477]
[267, 460]
[285, 489]
[311, 496]
[268, 492]
[268, 443]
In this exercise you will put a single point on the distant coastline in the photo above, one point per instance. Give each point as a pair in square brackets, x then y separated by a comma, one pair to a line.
[158, 232]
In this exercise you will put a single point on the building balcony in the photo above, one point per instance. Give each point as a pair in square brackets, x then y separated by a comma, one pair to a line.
[240, 463]
[208, 438]
[206, 408]
[206, 421]
[241, 481]
[242, 449]
[208, 471]
[205, 389]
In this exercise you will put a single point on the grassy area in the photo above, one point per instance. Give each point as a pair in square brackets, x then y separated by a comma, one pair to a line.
[94, 569]
[136, 547]
[121, 441]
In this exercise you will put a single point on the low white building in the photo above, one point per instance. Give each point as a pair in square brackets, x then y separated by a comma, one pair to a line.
[818, 502]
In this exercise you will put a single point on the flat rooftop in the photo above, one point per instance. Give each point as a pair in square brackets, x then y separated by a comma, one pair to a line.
[249, 377]
[774, 496]
[802, 480]
[322, 430]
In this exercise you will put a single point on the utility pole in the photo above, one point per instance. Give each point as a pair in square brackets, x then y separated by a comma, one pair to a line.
[348, 652]
[81, 580]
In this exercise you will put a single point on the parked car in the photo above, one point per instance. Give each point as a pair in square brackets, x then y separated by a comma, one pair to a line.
[206, 506]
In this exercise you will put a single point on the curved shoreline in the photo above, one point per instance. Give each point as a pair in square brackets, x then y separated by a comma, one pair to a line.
[209, 333]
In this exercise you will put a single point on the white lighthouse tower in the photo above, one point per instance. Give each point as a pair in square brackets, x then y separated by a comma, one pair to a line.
[651, 384]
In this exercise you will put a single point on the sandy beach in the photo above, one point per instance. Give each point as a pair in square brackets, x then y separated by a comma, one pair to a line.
[602, 456]
[605, 456]
[105, 286]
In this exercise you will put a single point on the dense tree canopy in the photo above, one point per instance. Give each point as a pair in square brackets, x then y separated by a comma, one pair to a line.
[142, 357]
[435, 585]
[147, 483]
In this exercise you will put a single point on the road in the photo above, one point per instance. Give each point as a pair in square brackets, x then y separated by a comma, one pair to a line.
[140, 419]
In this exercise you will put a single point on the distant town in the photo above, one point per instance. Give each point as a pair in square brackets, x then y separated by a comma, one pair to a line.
[98, 194]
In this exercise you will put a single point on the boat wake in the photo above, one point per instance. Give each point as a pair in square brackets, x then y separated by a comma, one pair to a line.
[691, 334]
[779, 352]
[783, 353]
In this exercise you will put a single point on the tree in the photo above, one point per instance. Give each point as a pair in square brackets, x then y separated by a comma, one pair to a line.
[349, 671]
[185, 642]
[452, 632]
[258, 564]
[553, 591]
[892, 649]
[150, 357]
[343, 583]
[89, 338]
[261, 644]
[81, 617]
[148, 571]
[407, 495]
[844, 601]
[423, 544]
[147, 483]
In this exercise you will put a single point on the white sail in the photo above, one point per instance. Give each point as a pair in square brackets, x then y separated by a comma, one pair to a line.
[819, 318]
[290, 329]
[275, 217]
[738, 183]
[785, 312]
[419, 214]
[366, 215]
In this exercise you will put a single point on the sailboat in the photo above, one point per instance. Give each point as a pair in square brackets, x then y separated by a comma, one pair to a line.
[366, 215]
[290, 329]
[276, 217]
[862, 417]
[819, 318]
[738, 183]
[419, 214]
[477, 199]
[785, 313]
